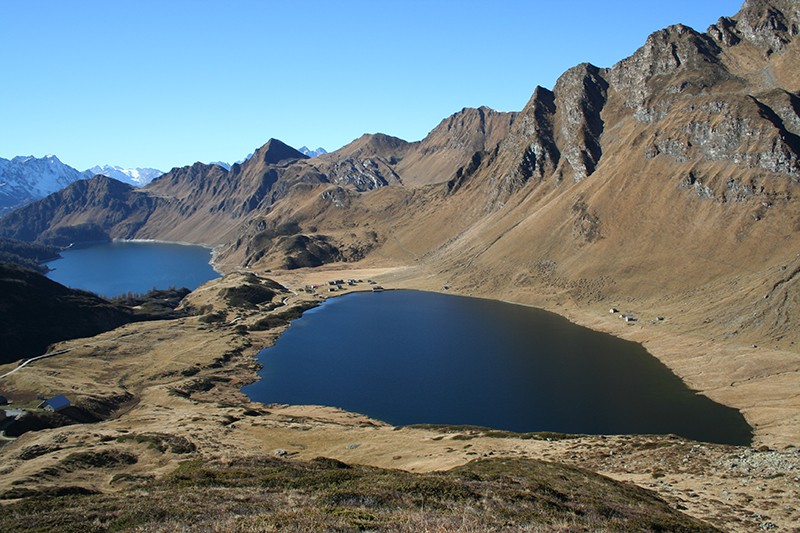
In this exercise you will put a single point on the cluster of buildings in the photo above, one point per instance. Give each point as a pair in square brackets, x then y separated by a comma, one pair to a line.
[340, 284]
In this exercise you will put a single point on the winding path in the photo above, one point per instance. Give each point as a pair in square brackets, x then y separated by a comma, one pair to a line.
[26, 362]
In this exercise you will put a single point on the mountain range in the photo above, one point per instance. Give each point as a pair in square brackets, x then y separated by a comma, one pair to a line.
[671, 176]
[134, 176]
[25, 179]
[662, 189]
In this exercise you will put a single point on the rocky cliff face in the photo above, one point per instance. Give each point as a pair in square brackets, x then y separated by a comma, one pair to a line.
[366, 164]
[770, 25]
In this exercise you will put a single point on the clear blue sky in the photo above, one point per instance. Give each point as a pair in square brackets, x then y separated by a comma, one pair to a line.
[163, 83]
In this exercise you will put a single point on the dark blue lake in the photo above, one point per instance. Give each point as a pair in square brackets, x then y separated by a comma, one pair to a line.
[114, 268]
[409, 357]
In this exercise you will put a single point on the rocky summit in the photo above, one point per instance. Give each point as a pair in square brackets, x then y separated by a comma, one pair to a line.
[664, 186]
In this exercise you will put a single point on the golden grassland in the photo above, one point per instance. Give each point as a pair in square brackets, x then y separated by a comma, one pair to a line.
[182, 447]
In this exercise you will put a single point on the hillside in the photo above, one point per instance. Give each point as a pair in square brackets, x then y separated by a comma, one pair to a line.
[326, 494]
[36, 312]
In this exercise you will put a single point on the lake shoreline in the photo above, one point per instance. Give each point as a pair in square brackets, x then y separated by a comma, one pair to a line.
[119, 266]
[775, 424]
[298, 370]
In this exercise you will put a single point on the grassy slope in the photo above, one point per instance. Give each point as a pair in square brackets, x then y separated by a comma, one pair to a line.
[260, 493]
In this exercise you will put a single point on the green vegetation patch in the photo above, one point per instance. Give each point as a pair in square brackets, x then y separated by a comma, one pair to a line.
[99, 459]
[26, 254]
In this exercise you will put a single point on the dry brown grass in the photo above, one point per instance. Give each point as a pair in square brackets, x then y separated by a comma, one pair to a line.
[323, 495]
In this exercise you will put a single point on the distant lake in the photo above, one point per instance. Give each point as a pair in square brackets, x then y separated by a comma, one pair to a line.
[114, 268]
[409, 357]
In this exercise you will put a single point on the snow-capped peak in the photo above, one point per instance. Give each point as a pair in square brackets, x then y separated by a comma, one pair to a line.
[135, 176]
[28, 178]
[312, 153]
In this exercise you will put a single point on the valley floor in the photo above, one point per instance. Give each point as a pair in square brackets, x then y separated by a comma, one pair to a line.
[171, 391]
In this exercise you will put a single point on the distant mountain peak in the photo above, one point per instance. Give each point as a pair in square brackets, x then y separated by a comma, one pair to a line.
[223, 164]
[312, 153]
[277, 152]
[134, 176]
[29, 178]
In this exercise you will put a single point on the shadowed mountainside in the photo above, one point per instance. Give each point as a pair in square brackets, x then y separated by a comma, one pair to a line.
[36, 312]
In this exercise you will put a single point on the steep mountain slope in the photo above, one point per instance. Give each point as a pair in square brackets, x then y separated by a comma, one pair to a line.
[26, 179]
[453, 143]
[87, 210]
[671, 171]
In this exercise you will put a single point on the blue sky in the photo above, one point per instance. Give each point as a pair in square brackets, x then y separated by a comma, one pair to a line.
[167, 83]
